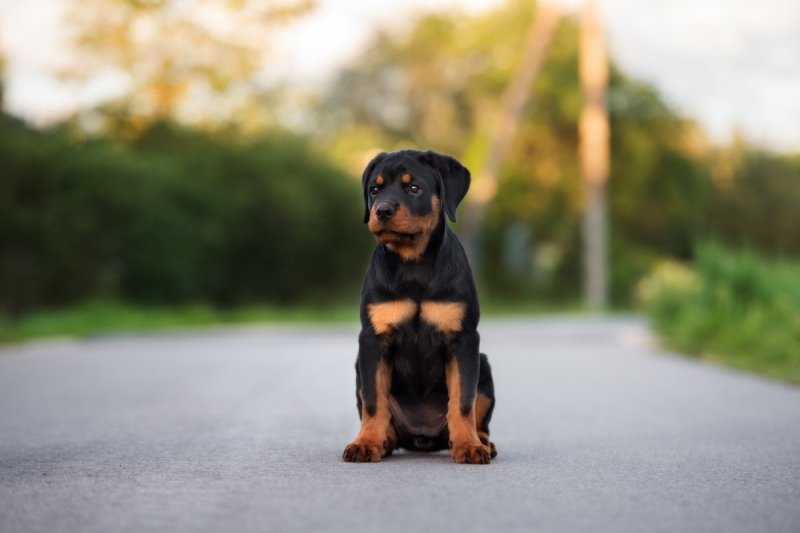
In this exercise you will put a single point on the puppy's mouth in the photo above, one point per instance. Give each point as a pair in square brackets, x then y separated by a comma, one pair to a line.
[387, 236]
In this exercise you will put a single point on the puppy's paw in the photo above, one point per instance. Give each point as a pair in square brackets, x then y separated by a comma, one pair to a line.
[486, 442]
[476, 453]
[362, 451]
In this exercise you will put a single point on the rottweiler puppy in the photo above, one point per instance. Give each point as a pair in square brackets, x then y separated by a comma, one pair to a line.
[421, 382]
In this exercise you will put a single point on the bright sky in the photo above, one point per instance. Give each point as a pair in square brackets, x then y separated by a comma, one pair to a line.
[728, 63]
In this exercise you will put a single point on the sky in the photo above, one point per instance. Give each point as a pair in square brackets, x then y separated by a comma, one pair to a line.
[734, 65]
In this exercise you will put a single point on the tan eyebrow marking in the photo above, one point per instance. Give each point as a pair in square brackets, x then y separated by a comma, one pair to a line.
[406, 178]
[379, 181]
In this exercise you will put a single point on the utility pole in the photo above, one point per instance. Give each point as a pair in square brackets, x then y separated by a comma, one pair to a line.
[594, 133]
[513, 101]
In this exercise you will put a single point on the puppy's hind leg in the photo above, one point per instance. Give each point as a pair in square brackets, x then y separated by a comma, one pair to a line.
[484, 404]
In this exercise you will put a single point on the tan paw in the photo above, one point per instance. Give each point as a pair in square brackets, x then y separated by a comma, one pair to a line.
[486, 442]
[476, 453]
[361, 451]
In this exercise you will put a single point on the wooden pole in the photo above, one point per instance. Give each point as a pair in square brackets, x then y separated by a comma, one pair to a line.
[594, 135]
[513, 102]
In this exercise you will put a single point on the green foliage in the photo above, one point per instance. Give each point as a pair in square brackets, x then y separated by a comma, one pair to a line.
[439, 85]
[99, 317]
[182, 62]
[433, 86]
[757, 200]
[737, 308]
[176, 217]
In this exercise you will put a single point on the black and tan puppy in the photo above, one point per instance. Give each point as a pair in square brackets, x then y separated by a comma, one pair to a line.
[421, 382]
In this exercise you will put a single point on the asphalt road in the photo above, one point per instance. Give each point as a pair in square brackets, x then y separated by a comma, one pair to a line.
[243, 430]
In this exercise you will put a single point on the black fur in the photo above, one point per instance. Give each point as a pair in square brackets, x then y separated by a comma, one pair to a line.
[417, 352]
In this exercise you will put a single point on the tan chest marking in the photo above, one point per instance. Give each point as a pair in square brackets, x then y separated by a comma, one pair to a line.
[387, 315]
[446, 317]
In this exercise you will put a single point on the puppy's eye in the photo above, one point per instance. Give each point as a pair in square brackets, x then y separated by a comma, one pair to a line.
[373, 191]
[414, 189]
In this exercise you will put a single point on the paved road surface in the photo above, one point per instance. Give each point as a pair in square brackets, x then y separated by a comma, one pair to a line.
[242, 430]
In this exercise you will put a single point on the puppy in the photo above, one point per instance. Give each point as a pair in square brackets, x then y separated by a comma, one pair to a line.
[421, 382]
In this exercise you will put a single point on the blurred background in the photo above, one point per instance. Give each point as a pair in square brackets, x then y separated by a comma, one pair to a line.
[184, 162]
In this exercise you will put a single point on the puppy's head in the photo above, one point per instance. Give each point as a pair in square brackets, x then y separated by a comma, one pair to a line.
[405, 195]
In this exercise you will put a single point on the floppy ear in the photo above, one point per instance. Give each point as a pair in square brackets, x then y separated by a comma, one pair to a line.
[365, 179]
[453, 179]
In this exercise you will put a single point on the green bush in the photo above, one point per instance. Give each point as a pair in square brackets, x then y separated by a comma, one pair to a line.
[734, 307]
[176, 217]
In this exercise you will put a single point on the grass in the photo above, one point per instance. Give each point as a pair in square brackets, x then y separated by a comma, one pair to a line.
[735, 308]
[108, 317]
[101, 317]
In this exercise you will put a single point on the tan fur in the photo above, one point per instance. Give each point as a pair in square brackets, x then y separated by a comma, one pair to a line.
[406, 178]
[391, 439]
[376, 438]
[388, 315]
[466, 446]
[375, 224]
[482, 404]
[379, 181]
[405, 223]
[444, 316]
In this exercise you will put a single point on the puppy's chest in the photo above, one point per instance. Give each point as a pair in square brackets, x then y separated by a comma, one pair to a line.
[410, 317]
[417, 349]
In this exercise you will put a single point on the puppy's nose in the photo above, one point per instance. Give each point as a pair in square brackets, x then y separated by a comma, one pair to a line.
[384, 211]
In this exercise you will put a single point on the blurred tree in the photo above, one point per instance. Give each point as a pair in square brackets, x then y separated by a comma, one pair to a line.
[514, 100]
[756, 200]
[190, 61]
[435, 86]
[180, 216]
[439, 85]
[2, 75]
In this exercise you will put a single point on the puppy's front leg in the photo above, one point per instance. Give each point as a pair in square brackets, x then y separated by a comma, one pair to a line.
[462, 374]
[375, 374]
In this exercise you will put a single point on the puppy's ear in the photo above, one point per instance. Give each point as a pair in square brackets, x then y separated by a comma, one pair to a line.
[453, 179]
[365, 179]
